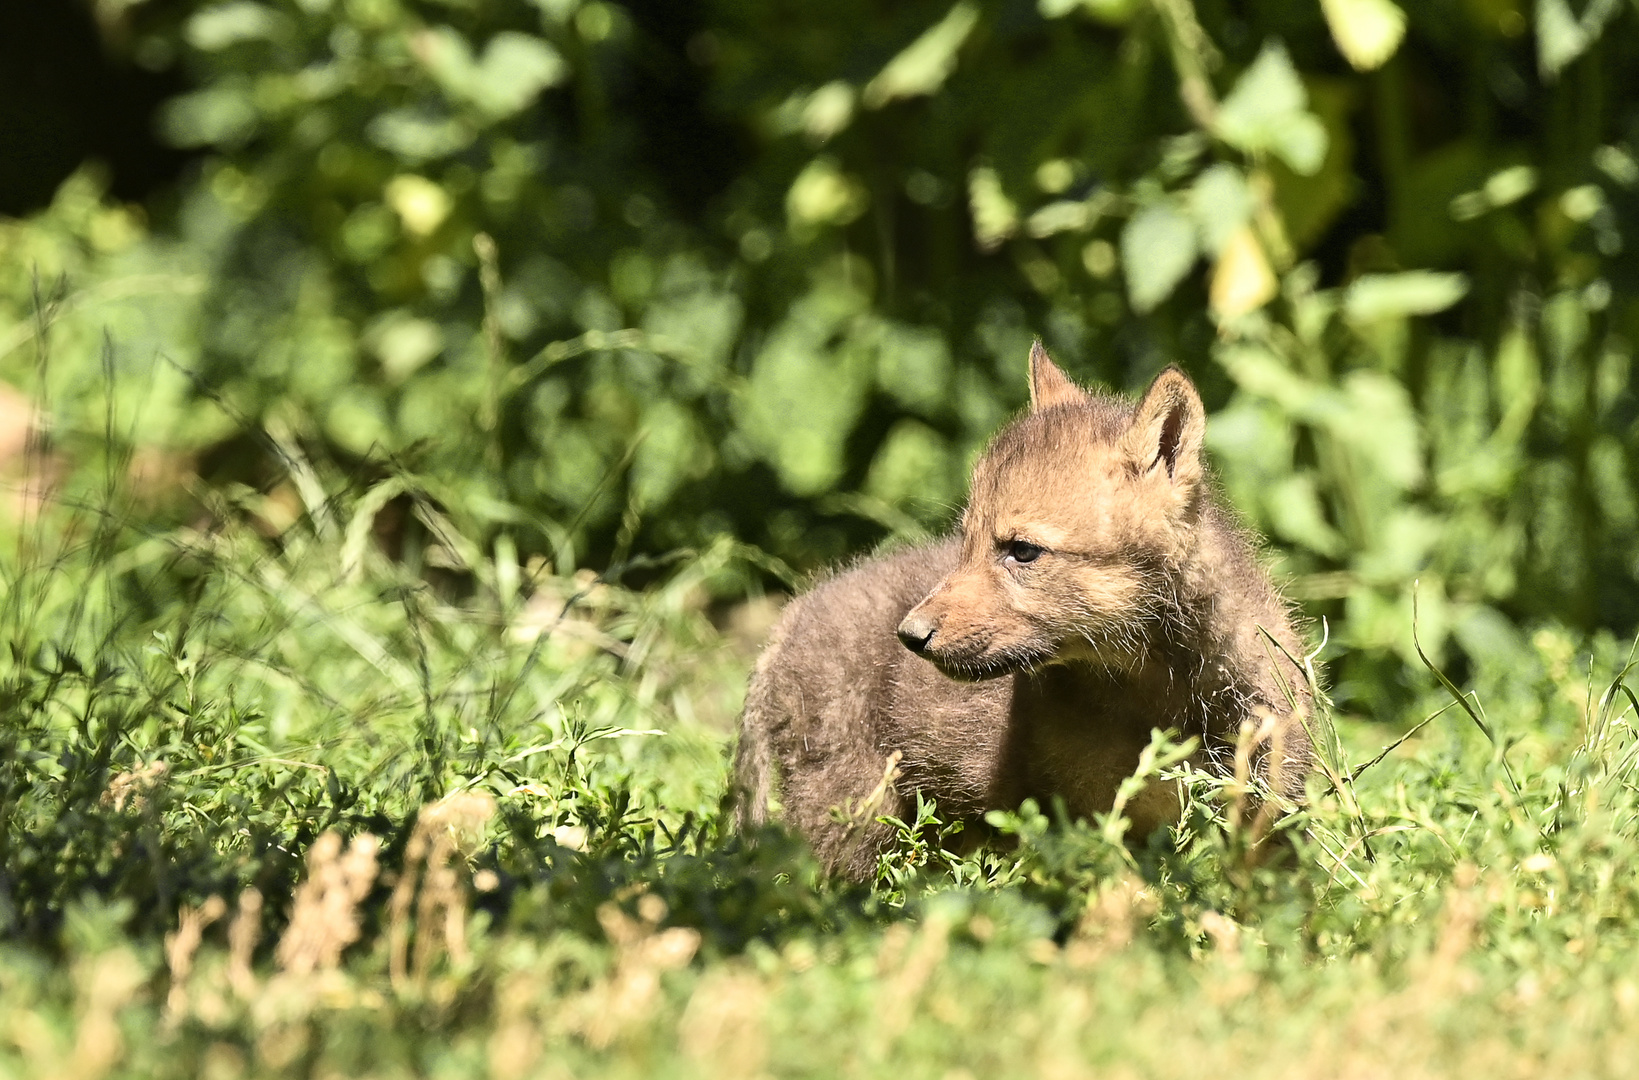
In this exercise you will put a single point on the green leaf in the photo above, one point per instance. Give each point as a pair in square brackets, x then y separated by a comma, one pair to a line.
[218, 115]
[1157, 250]
[419, 136]
[513, 70]
[1296, 515]
[828, 110]
[995, 217]
[913, 364]
[217, 28]
[823, 194]
[1115, 12]
[913, 467]
[1267, 111]
[1562, 37]
[1221, 203]
[1367, 32]
[807, 389]
[924, 66]
[1377, 297]
[1381, 426]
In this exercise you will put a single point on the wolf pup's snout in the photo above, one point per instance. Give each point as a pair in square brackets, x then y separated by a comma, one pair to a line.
[917, 630]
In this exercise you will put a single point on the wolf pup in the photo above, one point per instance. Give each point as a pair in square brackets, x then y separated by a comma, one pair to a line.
[1097, 589]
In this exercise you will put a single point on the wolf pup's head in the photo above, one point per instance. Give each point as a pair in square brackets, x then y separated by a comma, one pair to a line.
[1078, 510]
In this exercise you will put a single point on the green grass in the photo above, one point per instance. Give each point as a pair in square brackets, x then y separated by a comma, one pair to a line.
[571, 903]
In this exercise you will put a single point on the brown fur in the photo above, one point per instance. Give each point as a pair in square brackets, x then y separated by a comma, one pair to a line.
[1030, 673]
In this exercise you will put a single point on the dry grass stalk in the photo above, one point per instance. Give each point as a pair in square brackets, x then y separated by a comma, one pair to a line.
[515, 1046]
[134, 786]
[243, 935]
[324, 917]
[1458, 924]
[868, 809]
[180, 948]
[642, 953]
[447, 833]
[1224, 932]
[1263, 739]
[1109, 922]
[107, 984]
[901, 989]
[722, 1027]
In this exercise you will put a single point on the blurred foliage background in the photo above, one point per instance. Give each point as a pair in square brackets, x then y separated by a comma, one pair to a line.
[605, 280]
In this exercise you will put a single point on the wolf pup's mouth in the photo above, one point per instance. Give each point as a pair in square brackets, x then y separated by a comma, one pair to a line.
[982, 668]
[968, 672]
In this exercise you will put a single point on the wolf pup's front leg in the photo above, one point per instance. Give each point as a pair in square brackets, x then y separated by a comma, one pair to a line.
[1096, 590]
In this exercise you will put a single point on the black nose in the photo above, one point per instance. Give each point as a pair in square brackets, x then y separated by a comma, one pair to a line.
[916, 631]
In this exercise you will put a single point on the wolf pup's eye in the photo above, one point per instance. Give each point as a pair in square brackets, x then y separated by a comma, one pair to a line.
[1022, 551]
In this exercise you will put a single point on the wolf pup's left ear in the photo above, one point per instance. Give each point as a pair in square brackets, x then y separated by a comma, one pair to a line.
[1048, 385]
[1167, 429]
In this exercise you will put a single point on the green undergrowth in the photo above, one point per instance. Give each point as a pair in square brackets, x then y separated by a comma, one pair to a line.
[274, 803]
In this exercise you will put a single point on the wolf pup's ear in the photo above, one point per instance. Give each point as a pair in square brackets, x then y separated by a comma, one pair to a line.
[1048, 385]
[1168, 428]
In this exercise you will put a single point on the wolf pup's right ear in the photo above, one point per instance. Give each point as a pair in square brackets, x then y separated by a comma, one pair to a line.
[1048, 385]
[1167, 429]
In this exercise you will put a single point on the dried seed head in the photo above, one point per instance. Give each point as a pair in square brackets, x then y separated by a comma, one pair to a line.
[447, 833]
[180, 948]
[722, 1026]
[324, 917]
[133, 786]
[243, 935]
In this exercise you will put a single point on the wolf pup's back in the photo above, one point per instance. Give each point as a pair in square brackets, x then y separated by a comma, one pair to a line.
[1095, 591]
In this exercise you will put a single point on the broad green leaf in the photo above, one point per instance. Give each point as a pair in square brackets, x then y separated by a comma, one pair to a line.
[913, 466]
[1486, 634]
[420, 204]
[1608, 471]
[1115, 12]
[927, 62]
[357, 420]
[1296, 515]
[512, 71]
[1221, 204]
[828, 110]
[1263, 374]
[419, 136]
[1402, 542]
[515, 68]
[1562, 36]
[995, 218]
[1618, 164]
[1157, 250]
[1381, 425]
[1502, 188]
[1516, 380]
[1242, 281]
[403, 342]
[823, 194]
[1367, 32]
[1510, 185]
[222, 114]
[672, 452]
[229, 24]
[807, 388]
[1064, 215]
[913, 364]
[1376, 297]
[1267, 111]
